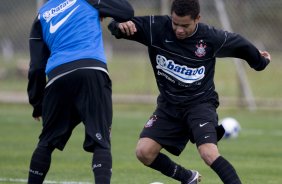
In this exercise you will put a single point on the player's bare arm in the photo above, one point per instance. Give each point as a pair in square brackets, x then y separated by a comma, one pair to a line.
[127, 28]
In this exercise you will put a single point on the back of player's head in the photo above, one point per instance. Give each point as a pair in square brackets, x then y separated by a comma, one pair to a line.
[185, 8]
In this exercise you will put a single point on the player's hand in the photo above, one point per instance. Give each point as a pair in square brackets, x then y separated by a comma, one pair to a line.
[265, 54]
[127, 28]
[37, 118]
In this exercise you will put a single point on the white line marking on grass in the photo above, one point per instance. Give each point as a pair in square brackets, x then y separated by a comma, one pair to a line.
[8, 180]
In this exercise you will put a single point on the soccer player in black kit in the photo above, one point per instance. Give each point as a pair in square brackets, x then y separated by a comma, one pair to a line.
[183, 54]
[66, 46]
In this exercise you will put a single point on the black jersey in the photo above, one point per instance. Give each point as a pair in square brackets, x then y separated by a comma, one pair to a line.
[184, 69]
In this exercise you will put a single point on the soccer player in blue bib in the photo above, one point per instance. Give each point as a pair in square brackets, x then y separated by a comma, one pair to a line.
[69, 81]
[183, 54]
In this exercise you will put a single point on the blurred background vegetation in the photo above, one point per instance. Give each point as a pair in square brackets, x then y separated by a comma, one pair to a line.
[132, 76]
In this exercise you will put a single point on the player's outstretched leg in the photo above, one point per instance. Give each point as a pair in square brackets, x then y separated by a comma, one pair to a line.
[166, 166]
[148, 152]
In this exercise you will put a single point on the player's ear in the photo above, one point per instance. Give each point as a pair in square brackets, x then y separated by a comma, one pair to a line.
[197, 19]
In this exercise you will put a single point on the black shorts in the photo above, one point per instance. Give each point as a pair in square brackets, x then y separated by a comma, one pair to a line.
[173, 127]
[84, 95]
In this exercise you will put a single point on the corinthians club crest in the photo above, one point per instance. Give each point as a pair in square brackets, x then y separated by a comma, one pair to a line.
[151, 121]
[201, 49]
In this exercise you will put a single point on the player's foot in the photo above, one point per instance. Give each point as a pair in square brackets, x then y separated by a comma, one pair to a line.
[194, 179]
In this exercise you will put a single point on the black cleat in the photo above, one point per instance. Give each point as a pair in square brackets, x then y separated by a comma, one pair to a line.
[194, 179]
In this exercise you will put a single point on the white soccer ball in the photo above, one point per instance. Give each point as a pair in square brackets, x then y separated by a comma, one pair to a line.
[156, 182]
[231, 126]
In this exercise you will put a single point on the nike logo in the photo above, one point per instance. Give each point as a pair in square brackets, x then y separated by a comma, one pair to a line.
[168, 41]
[206, 137]
[201, 125]
[54, 28]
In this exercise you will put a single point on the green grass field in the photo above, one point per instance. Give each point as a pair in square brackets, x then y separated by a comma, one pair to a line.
[256, 154]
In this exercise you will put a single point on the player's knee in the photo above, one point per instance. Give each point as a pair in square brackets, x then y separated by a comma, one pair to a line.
[139, 154]
[144, 155]
[209, 153]
[147, 150]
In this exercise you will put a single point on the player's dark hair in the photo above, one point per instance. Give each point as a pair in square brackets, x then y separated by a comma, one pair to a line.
[186, 8]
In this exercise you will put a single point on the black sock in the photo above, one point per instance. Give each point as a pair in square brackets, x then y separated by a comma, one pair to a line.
[102, 166]
[167, 167]
[39, 164]
[225, 171]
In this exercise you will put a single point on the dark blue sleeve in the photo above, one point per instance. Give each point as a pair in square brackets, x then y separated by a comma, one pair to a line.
[234, 45]
[120, 10]
[39, 54]
[143, 30]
